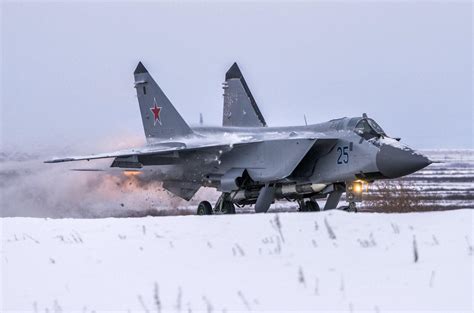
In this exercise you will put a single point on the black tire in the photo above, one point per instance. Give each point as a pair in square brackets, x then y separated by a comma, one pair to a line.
[302, 207]
[352, 207]
[228, 207]
[204, 208]
[311, 206]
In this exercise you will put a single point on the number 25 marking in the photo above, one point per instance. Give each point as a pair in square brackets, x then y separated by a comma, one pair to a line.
[343, 155]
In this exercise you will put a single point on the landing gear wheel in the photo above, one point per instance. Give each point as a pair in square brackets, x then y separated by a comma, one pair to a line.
[228, 207]
[302, 206]
[311, 206]
[352, 207]
[204, 208]
[349, 208]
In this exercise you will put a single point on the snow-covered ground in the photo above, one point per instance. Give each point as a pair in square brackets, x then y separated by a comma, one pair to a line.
[327, 261]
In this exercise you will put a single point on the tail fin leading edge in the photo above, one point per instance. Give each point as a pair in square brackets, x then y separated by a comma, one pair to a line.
[159, 116]
[240, 108]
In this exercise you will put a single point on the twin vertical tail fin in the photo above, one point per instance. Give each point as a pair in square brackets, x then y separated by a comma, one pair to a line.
[240, 108]
[162, 121]
[160, 118]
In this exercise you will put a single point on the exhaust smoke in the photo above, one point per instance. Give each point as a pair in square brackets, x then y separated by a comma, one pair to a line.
[30, 188]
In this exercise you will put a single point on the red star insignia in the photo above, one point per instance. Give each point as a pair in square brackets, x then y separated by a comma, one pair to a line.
[156, 113]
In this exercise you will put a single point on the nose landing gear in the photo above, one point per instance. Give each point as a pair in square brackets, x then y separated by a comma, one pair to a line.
[352, 207]
[354, 193]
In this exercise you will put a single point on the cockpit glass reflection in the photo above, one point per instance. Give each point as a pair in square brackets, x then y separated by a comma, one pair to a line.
[368, 128]
[376, 127]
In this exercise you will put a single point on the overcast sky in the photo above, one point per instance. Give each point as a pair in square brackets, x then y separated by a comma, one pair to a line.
[67, 69]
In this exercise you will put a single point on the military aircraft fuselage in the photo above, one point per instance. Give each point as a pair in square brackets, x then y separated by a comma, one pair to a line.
[251, 163]
[354, 150]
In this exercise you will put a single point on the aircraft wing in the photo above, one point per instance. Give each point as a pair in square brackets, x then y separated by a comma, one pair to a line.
[149, 150]
[224, 143]
[265, 159]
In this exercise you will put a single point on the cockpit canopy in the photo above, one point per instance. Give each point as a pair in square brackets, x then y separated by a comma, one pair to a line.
[367, 128]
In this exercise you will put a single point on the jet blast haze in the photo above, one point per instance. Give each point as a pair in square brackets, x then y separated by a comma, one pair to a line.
[254, 164]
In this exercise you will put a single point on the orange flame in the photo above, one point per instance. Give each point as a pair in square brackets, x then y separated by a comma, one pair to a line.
[131, 173]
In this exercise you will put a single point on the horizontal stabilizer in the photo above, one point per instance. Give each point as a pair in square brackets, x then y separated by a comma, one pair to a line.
[87, 170]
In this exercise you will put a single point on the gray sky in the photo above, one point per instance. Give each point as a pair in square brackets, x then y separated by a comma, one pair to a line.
[67, 68]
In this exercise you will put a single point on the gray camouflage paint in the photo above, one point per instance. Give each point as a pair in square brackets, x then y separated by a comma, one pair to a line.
[244, 157]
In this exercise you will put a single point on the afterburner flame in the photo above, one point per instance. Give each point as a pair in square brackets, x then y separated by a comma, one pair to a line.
[131, 173]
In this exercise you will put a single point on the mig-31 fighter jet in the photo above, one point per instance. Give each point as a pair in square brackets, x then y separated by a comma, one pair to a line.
[252, 163]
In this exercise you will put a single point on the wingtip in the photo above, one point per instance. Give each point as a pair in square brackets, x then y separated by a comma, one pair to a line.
[59, 160]
[140, 69]
[233, 72]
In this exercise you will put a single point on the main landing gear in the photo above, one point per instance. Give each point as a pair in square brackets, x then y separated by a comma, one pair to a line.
[204, 208]
[223, 205]
[266, 195]
[308, 206]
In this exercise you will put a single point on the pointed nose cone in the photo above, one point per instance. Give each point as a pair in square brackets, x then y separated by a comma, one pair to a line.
[396, 162]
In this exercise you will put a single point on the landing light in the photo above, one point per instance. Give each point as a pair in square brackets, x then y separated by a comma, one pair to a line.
[359, 186]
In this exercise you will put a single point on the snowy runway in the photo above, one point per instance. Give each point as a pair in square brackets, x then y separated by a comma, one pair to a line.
[329, 261]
